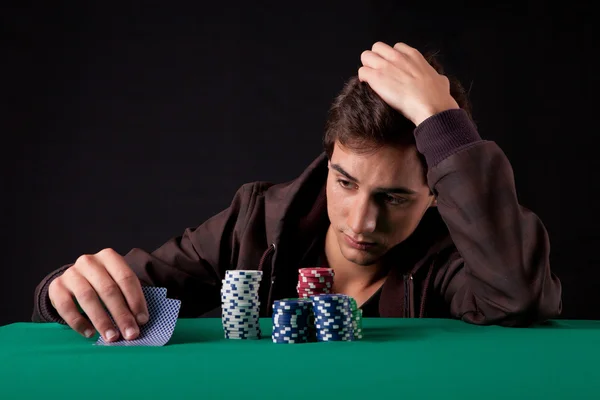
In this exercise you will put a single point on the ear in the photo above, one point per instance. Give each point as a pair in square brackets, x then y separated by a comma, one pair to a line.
[433, 203]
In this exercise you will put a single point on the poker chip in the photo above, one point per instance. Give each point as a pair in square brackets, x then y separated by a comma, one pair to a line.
[240, 304]
[324, 318]
[314, 281]
[291, 321]
[356, 319]
[337, 318]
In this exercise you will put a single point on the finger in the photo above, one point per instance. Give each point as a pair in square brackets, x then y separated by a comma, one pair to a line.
[62, 301]
[372, 60]
[88, 300]
[90, 303]
[128, 282]
[388, 53]
[408, 51]
[365, 74]
[110, 293]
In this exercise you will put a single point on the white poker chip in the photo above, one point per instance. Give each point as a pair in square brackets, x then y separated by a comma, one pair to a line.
[240, 304]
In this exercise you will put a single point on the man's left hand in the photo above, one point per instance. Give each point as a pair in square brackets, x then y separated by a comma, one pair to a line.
[402, 77]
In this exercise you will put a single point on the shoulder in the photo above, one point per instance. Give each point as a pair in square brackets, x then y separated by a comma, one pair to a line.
[254, 189]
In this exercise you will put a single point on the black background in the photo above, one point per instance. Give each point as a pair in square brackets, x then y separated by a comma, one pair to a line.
[123, 125]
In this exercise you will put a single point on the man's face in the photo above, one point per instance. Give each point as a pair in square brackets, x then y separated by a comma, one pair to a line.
[375, 200]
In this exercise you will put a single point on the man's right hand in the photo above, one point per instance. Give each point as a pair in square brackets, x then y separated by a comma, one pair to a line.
[106, 277]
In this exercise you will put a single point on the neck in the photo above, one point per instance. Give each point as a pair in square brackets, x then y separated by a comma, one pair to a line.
[350, 277]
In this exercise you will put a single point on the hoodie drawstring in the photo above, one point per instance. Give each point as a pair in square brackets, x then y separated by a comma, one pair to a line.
[268, 253]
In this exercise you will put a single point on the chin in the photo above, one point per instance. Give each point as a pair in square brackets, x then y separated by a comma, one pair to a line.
[363, 259]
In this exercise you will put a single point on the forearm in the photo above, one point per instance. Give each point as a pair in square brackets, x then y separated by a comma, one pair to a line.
[503, 272]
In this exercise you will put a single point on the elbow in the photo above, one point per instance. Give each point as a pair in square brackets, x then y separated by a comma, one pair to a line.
[532, 308]
[522, 308]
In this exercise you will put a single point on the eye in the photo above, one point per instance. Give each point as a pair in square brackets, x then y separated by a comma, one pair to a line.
[395, 201]
[345, 184]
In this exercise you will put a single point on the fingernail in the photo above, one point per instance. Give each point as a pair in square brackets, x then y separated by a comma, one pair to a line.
[88, 333]
[129, 332]
[110, 334]
[142, 318]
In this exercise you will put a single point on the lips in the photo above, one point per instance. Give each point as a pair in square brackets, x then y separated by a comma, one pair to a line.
[358, 245]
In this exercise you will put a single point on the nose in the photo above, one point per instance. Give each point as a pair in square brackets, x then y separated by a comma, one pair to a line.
[363, 216]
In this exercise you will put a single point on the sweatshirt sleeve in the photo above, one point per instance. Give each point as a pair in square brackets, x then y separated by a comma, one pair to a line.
[190, 266]
[500, 273]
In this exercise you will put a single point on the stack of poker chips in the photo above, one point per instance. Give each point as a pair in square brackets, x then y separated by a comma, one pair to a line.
[356, 319]
[291, 321]
[240, 304]
[333, 315]
[314, 281]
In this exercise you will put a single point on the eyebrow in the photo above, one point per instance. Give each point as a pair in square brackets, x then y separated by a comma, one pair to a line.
[396, 190]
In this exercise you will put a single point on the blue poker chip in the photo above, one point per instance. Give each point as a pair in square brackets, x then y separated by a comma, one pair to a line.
[333, 317]
[241, 285]
[226, 295]
[233, 313]
[291, 304]
[290, 335]
[242, 329]
[245, 320]
[239, 291]
[240, 304]
[303, 336]
[291, 321]
[240, 288]
[290, 341]
[289, 328]
[242, 281]
[242, 332]
[291, 324]
[230, 320]
[243, 272]
[243, 337]
[321, 317]
[234, 303]
[239, 315]
[338, 322]
[290, 318]
[330, 297]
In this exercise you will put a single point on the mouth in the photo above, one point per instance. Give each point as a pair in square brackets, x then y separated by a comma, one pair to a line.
[358, 244]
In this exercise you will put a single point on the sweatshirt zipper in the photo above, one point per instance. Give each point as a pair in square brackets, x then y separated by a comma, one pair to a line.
[408, 286]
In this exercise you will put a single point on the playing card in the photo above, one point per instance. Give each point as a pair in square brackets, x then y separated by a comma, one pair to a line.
[154, 292]
[157, 331]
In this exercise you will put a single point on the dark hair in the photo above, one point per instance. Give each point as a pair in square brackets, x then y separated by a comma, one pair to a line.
[361, 121]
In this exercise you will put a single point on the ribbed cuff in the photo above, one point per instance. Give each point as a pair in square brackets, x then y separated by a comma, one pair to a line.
[443, 134]
[43, 310]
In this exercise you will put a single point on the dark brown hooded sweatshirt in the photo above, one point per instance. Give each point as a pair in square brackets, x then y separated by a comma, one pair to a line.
[479, 256]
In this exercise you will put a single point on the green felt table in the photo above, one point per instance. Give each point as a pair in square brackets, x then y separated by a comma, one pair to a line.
[398, 358]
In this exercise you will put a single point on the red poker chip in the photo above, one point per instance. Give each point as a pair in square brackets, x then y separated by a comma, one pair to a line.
[316, 271]
[314, 291]
[313, 287]
[316, 282]
[305, 286]
[315, 275]
[308, 295]
[300, 289]
[316, 279]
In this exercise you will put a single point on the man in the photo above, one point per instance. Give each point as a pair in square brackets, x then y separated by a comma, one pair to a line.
[416, 214]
